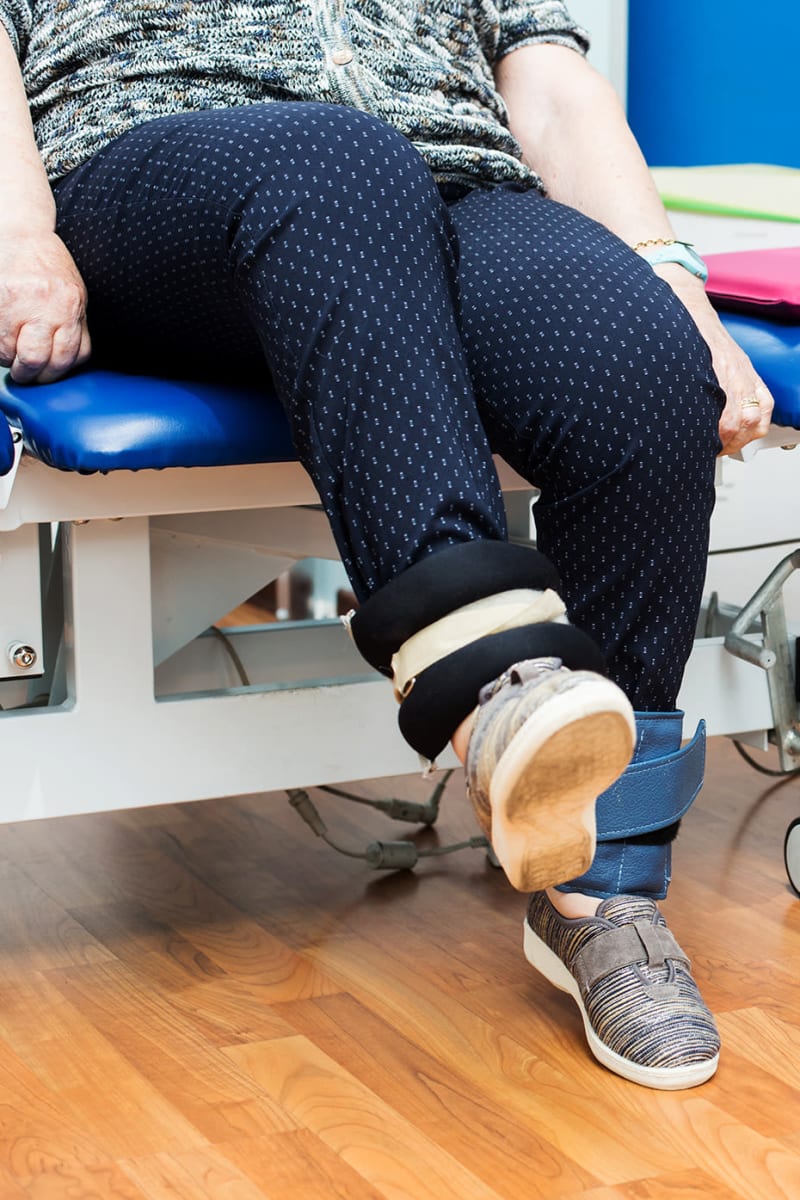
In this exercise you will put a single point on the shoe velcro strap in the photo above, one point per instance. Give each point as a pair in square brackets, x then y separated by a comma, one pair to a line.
[639, 942]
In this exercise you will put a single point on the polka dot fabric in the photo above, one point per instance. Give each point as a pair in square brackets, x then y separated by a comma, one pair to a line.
[311, 238]
[408, 337]
[593, 382]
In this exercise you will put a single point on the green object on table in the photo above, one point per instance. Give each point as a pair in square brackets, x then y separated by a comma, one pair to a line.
[737, 190]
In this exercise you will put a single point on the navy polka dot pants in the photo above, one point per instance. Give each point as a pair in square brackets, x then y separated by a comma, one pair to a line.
[408, 337]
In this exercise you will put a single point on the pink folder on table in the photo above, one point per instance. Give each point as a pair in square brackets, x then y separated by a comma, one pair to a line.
[763, 282]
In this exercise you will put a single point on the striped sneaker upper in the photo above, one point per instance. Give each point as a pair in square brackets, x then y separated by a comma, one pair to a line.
[648, 1010]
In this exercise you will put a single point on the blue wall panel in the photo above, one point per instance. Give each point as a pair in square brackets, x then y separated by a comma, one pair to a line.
[715, 81]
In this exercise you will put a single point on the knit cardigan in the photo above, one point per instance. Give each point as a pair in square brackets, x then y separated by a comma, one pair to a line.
[94, 69]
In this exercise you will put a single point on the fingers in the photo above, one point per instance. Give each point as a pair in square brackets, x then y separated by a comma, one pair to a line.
[43, 354]
[43, 331]
[748, 407]
[70, 348]
[8, 343]
[85, 345]
[32, 352]
[746, 417]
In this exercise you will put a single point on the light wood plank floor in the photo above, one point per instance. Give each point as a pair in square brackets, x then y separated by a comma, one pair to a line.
[204, 1001]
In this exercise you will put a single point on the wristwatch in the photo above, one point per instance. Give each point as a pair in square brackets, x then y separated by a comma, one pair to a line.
[677, 252]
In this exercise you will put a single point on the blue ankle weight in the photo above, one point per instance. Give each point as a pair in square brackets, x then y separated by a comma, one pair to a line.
[657, 788]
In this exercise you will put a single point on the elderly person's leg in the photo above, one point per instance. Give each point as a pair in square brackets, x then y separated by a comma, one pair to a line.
[313, 237]
[593, 382]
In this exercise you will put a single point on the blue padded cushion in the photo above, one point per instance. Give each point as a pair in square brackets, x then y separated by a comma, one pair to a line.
[775, 351]
[100, 420]
[6, 449]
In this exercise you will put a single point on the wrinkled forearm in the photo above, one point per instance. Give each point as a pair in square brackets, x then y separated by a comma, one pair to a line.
[43, 330]
[573, 132]
[26, 202]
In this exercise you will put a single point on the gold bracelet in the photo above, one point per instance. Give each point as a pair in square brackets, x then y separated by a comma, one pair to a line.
[655, 242]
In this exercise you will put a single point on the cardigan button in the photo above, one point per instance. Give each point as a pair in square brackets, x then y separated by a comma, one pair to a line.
[342, 56]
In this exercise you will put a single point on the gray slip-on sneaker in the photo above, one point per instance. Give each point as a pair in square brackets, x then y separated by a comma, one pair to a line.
[546, 742]
[642, 1011]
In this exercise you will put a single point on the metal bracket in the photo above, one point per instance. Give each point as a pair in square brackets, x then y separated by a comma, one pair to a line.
[773, 656]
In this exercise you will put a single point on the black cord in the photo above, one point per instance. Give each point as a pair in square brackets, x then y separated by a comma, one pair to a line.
[385, 856]
[748, 758]
[399, 810]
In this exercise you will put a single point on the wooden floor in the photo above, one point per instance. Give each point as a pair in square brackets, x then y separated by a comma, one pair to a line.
[206, 1002]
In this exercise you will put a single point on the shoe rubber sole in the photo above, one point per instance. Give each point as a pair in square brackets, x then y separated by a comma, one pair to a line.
[546, 782]
[547, 963]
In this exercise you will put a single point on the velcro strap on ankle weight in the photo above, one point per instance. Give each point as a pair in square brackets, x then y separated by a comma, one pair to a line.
[445, 693]
[659, 785]
[482, 618]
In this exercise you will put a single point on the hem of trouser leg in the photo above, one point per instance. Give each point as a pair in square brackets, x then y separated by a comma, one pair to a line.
[444, 693]
[438, 585]
[595, 894]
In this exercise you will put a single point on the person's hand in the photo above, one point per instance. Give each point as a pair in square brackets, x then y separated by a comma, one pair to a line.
[43, 331]
[748, 403]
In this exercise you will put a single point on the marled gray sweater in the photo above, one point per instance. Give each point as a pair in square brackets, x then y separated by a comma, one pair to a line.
[95, 68]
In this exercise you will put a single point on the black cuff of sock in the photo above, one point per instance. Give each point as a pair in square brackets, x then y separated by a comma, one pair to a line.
[445, 693]
[439, 584]
[654, 837]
